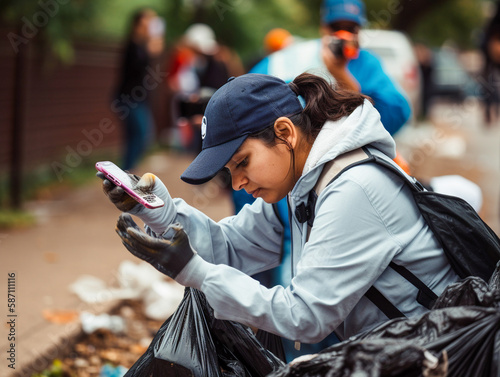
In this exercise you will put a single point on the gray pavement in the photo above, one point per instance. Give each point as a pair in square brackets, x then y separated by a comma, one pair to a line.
[455, 140]
[75, 235]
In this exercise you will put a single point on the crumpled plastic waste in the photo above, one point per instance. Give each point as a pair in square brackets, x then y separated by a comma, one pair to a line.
[461, 332]
[161, 300]
[91, 322]
[135, 281]
[192, 342]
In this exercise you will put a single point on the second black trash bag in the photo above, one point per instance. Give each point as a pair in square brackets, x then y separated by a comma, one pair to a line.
[367, 358]
[464, 324]
[192, 342]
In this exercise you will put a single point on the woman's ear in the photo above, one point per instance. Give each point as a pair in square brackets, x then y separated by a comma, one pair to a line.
[286, 130]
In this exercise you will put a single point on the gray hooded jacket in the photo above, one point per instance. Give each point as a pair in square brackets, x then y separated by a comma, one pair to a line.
[363, 220]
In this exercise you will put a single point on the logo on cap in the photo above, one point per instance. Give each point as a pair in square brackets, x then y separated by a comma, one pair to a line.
[203, 127]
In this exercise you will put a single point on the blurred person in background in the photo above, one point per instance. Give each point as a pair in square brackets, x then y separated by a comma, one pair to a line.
[145, 43]
[338, 57]
[490, 48]
[198, 67]
[426, 64]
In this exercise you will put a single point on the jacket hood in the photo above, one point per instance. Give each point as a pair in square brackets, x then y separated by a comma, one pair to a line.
[361, 128]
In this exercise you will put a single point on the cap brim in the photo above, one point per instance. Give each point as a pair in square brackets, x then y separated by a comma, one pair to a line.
[210, 161]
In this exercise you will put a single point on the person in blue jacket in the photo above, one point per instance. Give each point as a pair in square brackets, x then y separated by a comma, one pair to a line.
[349, 66]
[338, 58]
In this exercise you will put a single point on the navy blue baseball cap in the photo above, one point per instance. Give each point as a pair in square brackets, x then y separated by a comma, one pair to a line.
[343, 10]
[242, 106]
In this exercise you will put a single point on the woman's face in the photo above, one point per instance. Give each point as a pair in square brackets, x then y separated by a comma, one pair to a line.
[262, 171]
[142, 28]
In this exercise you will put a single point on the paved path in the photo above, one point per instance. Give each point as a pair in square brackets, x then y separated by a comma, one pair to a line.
[456, 141]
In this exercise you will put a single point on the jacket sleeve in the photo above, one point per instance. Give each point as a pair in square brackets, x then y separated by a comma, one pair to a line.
[389, 99]
[347, 251]
[250, 241]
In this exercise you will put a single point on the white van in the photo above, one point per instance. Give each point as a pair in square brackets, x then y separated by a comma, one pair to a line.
[399, 61]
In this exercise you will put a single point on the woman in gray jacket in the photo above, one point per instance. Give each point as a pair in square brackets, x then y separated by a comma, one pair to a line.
[275, 139]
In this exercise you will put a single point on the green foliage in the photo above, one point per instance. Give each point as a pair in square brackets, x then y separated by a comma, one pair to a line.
[111, 18]
[51, 22]
[241, 24]
[14, 219]
[456, 22]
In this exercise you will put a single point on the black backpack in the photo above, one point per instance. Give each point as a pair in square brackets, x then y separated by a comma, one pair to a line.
[471, 246]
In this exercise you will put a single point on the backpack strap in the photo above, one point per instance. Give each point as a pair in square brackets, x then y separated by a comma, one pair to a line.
[384, 305]
[412, 182]
[425, 297]
[305, 212]
[331, 170]
[337, 166]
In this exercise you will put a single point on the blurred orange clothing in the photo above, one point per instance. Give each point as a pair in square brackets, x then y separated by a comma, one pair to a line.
[402, 163]
[276, 39]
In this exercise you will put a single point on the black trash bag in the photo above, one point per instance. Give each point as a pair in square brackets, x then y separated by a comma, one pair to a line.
[368, 358]
[186, 343]
[469, 335]
[192, 342]
[464, 323]
[239, 343]
[472, 291]
[272, 343]
[494, 282]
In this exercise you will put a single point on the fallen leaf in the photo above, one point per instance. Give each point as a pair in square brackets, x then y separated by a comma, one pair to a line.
[60, 317]
[50, 257]
[110, 355]
[137, 348]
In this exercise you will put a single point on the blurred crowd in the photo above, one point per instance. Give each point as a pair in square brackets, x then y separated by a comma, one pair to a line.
[197, 64]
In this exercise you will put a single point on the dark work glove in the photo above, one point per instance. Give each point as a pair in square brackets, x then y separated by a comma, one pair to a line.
[167, 256]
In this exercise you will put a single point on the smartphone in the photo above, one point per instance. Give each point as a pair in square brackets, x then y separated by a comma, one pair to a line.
[128, 183]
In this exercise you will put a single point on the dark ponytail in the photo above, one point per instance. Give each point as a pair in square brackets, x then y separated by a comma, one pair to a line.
[323, 103]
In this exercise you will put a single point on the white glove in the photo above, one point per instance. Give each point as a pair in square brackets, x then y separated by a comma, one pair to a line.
[158, 219]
